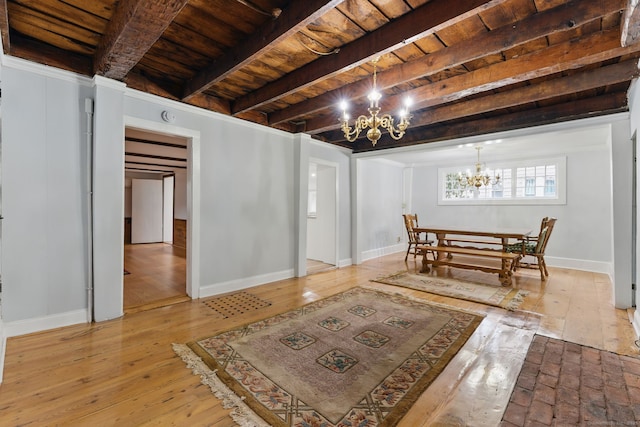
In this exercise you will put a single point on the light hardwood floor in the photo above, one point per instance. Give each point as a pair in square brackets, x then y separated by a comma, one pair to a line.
[123, 372]
[157, 276]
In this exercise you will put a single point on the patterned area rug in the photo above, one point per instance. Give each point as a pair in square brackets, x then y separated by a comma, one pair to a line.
[359, 358]
[499, 296]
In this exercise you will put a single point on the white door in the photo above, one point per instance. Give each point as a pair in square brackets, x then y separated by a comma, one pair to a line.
[146, 211]
[167, 229]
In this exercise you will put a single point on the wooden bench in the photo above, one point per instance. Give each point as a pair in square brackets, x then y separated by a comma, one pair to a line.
[472, 244]
[505, 271]
[474, 241]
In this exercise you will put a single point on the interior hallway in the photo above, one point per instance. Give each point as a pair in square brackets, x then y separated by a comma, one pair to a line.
[124, 372]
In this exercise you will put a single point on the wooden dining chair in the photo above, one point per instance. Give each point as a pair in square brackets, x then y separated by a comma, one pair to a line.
[410, 222]
[535, 247]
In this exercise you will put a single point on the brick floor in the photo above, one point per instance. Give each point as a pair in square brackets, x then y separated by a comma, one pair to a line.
[566, 384]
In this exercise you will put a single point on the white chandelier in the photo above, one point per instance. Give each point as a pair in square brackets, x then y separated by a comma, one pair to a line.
[375, 121]
[480, 178]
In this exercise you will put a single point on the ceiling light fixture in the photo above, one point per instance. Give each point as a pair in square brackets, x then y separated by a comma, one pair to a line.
[375, 121]
[481, 176]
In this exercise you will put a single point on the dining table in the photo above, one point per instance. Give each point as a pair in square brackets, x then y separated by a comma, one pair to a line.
[477, 242]
[501, 235]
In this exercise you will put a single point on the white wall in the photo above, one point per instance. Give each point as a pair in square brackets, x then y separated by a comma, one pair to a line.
[634, 129]
[44, 177]
[244, 195]
[621, 201]
[380, 226]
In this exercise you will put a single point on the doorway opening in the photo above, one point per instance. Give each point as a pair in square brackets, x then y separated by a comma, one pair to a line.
[155, 262]
[322, 220]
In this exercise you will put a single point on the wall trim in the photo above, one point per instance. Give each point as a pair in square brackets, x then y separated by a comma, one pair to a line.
[344, 150]
[636, 322]
[345, 263]
[569, 263]
[192, 109]
[388, 250]
[45, 70]
[244, 283]
[581, 264]
[39, 324]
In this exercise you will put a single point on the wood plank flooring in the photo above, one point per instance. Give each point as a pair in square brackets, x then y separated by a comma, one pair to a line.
[123, 372]
[157, 276]
[314, 266]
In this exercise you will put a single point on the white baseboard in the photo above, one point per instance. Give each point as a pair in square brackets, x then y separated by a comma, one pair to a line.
[38, 324]
[580, 264]
[345, 263]
[244, 283]
[570, 263]
[377, 253]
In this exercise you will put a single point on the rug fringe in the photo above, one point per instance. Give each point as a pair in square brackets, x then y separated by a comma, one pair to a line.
[241, 414]
[517, 300]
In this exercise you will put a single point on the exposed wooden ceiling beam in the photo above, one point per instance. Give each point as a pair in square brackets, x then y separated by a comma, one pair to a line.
[32, 50]
[153, 142]
[211, 103]
[575, 83]
[572, 54]
[561, 18]
[296, 16]
[135, 26]
[600, 105]
[408, 28]
[155, 156]
[142, 83]
[154, 164]
[590, 79]
[630, 23]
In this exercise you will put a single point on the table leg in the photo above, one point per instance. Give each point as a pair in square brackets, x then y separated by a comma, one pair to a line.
[425, 263]
[505, 278]
[442, 241]
[505, 242]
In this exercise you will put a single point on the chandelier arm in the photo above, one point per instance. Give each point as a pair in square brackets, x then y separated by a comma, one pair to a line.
[386, 121]
[351, 134]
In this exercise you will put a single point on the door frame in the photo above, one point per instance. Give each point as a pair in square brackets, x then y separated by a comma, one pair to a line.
[193, 193]
[171, 176]
[336, 168]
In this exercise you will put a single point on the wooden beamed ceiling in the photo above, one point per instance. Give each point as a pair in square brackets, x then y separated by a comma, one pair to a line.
[471, 67]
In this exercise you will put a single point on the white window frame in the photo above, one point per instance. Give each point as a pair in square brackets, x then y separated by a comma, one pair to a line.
[561, 184]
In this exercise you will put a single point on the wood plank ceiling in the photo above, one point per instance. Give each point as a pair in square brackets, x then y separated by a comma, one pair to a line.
[471, 67]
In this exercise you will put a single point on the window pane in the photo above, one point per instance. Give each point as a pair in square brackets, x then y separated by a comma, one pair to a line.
[526, 181]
